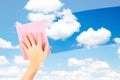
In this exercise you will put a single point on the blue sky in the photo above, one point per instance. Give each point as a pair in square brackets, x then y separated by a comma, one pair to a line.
[76, 50]
[88, 5]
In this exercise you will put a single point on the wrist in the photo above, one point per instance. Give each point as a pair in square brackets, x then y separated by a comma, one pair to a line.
[34, 66]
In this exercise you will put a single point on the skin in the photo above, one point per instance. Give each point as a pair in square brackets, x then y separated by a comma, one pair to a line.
[36, 54]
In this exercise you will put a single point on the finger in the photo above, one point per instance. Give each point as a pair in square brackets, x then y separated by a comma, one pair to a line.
[40, 39]
[23, 46]
[32, 41]
[27, 42]
[46, 49]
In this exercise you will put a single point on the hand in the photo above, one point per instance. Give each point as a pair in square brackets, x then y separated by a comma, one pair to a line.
[36, 54]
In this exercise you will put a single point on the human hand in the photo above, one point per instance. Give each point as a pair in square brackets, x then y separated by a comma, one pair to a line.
[36, 54]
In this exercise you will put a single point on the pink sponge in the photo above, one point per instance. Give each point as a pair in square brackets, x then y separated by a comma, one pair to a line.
[34, 28]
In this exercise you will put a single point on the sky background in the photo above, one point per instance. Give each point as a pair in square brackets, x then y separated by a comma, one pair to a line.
[84, 37]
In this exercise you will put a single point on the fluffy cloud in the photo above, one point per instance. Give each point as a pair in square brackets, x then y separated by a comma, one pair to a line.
[3, 60]
[7, 44]
[20, 60]
[44, 6]
[118, 52]
[8, 78]
[15, 72]
[117, 40]
[87, 69]
[92, 38]
[60, 23]
[92, 65]
[65, 27]
[75, 62]
[9, 71]
[47, 18]
[18, 23]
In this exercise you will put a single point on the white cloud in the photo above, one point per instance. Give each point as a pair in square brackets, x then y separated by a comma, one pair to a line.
[60, 23]
[65, 27]
[118, 52]
[15, 72]
[89, 69]
[9, 71]
[3, 60]
[20, 60]
[117, 41]
[47, 18]
[9, 78]
[92, 65]
[92, 38]
[7, 44]
[18, 23]
[44, 6]
[75, 62]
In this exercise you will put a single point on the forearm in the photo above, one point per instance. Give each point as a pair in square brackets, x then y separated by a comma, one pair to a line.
[30, 72]
[36, 55]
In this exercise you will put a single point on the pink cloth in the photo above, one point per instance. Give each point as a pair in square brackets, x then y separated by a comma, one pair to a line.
[34, 28]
